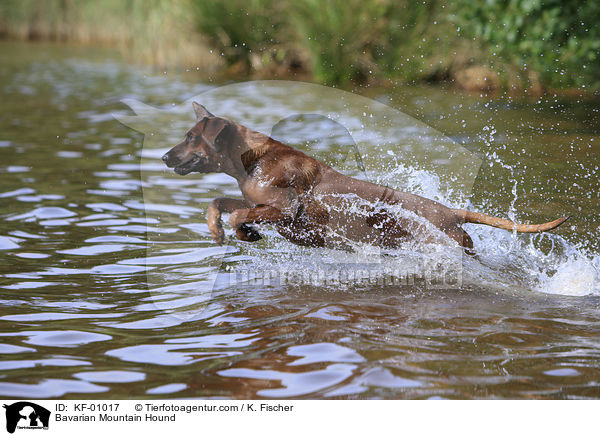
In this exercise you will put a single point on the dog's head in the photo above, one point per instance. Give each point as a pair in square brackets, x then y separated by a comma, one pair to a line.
[205, 145]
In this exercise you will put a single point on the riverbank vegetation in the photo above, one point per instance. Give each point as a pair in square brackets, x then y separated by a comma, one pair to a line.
[522, 46]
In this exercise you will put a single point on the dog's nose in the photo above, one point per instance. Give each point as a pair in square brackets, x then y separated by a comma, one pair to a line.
[165, 158]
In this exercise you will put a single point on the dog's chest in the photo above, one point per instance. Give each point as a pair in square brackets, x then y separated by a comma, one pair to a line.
[260, 191]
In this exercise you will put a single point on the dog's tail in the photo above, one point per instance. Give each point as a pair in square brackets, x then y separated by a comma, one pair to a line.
[501, 223]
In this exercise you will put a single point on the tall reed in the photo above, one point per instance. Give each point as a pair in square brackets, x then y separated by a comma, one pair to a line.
[157, 32]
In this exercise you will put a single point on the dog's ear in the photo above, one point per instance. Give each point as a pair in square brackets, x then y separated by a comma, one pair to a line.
[220, 133]
[201, 111]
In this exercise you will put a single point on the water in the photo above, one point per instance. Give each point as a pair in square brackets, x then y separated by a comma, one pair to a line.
[111, 287]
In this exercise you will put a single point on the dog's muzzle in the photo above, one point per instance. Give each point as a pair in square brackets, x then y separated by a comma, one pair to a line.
[166, 159]
[189, 165]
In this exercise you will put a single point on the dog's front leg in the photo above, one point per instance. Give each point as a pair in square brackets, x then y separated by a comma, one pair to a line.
[241, 218]
[215, 209]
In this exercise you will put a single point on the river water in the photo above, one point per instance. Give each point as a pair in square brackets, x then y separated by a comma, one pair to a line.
[111, 287]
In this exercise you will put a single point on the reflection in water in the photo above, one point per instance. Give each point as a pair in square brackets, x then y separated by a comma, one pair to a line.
[77, 319]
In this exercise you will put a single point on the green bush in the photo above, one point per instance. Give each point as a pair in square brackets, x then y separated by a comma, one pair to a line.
[240, 28]
[342, 40]
[558, 39]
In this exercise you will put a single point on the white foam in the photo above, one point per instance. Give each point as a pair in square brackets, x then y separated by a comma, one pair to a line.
[576, 276]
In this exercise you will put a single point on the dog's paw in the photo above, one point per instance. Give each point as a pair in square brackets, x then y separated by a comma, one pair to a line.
[216, 231]
[247, 233]
[214, 224]
[218, 235]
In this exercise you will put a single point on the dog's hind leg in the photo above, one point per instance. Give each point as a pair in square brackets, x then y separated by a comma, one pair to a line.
[241, 218]
[463, 239]
[215, 209]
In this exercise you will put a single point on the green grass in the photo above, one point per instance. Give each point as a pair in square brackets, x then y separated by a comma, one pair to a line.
[242, 30]
[340, 36]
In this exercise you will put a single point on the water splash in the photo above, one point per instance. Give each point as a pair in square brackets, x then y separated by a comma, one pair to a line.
[397, 151]
[545, 263]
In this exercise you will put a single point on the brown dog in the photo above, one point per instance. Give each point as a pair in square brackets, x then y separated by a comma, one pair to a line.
[310, 203]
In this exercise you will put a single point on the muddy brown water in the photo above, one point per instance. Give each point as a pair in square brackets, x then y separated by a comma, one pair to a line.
[106, 255]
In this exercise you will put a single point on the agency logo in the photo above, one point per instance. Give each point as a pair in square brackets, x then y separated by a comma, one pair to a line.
[26, 415]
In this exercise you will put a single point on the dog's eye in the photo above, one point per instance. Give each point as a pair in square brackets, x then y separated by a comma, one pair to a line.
[189, 137]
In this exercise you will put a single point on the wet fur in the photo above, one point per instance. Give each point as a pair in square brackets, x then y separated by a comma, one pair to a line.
[304, 198]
